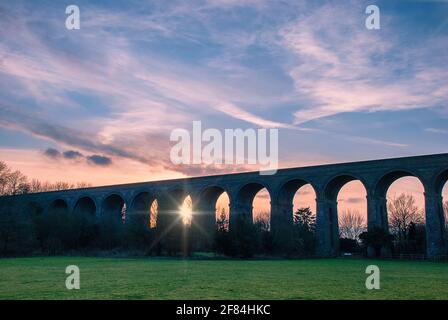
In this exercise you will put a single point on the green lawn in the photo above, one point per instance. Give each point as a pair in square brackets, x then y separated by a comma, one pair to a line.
[117, 278]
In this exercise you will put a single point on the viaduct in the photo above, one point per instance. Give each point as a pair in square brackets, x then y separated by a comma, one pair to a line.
[327, 180]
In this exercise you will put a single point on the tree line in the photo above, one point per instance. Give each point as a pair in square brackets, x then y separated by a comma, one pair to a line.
[14, 182]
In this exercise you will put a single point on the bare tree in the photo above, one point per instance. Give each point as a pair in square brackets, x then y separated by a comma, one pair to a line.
[61, 185]
[263, 219]
[80, 185]
[15, 182]
[351, 224]
[35, 186]
[4, 174]
[403, 212]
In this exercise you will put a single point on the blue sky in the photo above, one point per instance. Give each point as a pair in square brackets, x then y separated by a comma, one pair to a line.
[136, 70]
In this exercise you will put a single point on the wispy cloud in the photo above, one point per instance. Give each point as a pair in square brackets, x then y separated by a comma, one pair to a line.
[436, 130]
[339, 72]
[377, 141]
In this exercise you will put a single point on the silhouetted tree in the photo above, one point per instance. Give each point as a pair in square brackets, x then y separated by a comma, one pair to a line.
[59, 231]
[263, 220]
[304, 237]
[402, 212]
[223, 242]
[377, 238]
[17, 236]
[138, 234]
[263, 232]
[351, 224]
[416, 238]
[406, 220]
[245, 237]
[14, 182]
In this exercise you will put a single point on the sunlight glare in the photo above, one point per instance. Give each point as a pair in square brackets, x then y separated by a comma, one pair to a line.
[186, 211]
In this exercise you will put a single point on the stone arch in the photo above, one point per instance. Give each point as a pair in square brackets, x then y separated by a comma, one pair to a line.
[174, 197]
[211, 193]
[169, 204]
[334, 185]
[380, 192]
[283, 213]
[352, 212]
[394, 222]
[288, 190]
[171, 233]
[141, 207]
[204, 217]
[85, 205]
[327, 217]
[243, 204]
[58, 206]
[114, 207]
[440, 180]
[390, 177]
[35, 208]
[207, 199]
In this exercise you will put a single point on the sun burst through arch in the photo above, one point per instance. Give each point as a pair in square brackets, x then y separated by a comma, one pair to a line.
[186, 211]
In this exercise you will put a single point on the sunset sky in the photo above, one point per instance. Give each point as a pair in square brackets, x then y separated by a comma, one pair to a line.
[98, 104]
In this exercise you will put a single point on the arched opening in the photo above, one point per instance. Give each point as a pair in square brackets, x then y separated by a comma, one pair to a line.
[254, 202]
[405, 211]
[174, 219]
[261, 209]
[144, 209]
[304, 199]
[114, 207]
[35, 208]
[297, 196]
[352, 213]
[211, 213]
[58, 206]
[213, 208]
[294, 218]
[442, 189]
[174, 206]
[85, 206]
[222, 211]
[186, 211]
[357, 190]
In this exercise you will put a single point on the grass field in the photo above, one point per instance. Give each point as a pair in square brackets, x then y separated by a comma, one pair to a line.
[118, 278]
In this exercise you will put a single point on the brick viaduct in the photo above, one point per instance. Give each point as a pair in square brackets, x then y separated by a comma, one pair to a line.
[327, 180]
